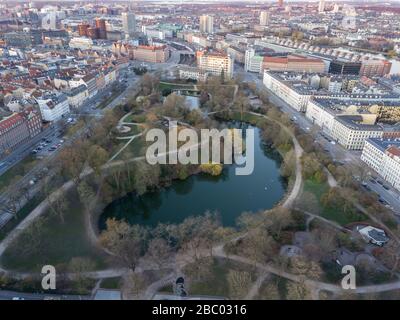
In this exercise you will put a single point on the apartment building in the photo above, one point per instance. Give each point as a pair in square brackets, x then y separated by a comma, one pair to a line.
[18, 128]
[296, 93]
[383, 156]
[375, 67]
[53, 106]
[193, 73]
[153, 54]
[351, 131]
[77, 96]
[215, 62]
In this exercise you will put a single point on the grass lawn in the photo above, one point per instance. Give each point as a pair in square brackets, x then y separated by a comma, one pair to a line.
[217, 282]
[138, 118]
[56, 242]
[111, 283]
[134, 149]
[331, 213]
[17, 172]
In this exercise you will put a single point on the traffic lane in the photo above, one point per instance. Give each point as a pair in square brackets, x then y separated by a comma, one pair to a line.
[24, 150]
[390, 196]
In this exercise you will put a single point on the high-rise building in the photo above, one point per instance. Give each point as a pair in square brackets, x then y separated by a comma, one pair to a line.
[321, 6]
[264, 17]
[129, 23]
[101, 26]
[206, 24]
[83, 29]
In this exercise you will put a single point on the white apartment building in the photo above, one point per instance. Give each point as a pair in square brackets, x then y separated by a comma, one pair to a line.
[186, 72]
[53, 106]
[322, 117]
[252, 62]
[383, 156]
[296, 94]
[77, 96]
[215, 63]
[351, 133]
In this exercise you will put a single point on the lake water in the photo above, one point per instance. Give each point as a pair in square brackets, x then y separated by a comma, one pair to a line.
[228, 194]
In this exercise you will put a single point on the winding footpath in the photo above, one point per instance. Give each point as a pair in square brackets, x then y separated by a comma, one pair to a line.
[218, 251]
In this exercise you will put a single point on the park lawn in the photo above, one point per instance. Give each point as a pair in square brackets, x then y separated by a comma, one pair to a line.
[111, 283]
[18, 171]
[133, 150]
[59, 242]
[316, 188]
[138, 118]
[330, 213]
[217, 282]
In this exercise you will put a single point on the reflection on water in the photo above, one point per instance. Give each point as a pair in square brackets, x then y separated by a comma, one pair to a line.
[228, 194]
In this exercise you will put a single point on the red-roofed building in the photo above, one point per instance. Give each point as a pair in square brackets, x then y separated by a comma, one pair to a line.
[13, 131]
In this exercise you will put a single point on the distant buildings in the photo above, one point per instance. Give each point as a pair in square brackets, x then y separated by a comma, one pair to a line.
[154, 54]
[339, 66]
[215, 62]
[384, 157]
[292, 62]
[101, 27]
[128, 23]
[82, 43]
[207, 24]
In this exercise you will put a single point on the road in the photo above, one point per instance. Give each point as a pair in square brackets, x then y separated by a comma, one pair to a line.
[336, 152]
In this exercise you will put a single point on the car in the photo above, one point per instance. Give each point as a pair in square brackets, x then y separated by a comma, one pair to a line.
[372, 181]
[18, 298]
[367, 187]
[385, 186]
[383, 201]
[380, 182]
[34, 151]
[333, 142]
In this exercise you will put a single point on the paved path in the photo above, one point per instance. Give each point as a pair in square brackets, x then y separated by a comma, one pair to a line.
[255, 288]
[298, 153]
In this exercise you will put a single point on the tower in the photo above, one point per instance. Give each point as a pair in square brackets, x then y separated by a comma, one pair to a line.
[129, 23]
[321, 6]
[264, 17]
[206, 24]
